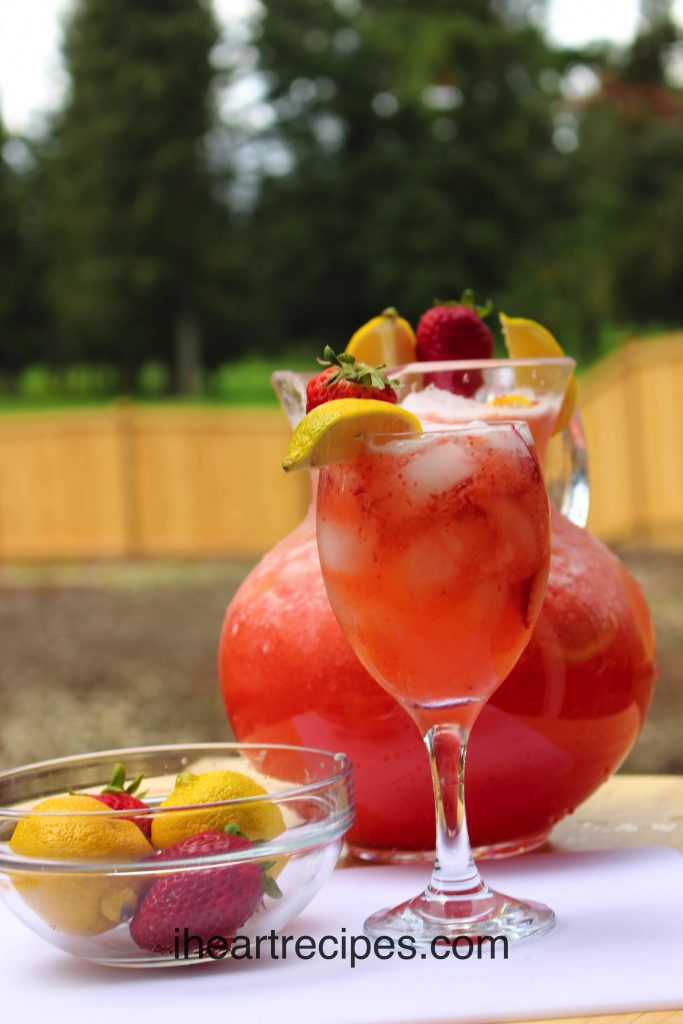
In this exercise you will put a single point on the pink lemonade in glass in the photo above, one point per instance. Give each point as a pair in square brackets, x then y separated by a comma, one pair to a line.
[405, 535]
[522, 389]
[435, 550]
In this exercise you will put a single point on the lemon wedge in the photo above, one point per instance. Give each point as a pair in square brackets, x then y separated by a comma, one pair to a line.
[513, 399]
[526, 339]
[331, 432]
[386, 340]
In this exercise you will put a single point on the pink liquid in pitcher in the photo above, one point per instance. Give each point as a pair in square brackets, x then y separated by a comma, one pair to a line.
[560, 724]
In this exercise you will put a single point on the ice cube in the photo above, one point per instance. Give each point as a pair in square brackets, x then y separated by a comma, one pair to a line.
[439, 408]
[437, 467]
[430, 560]
[516, 539]
[501, 438]
[341, 548]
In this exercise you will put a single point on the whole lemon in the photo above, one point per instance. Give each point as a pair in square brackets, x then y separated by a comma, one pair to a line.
[78, 904]
[259, 820]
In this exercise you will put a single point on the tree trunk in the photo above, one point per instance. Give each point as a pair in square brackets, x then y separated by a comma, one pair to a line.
[188, 354]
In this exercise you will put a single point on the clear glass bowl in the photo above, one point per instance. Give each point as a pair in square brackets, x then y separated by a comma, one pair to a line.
[87, 907]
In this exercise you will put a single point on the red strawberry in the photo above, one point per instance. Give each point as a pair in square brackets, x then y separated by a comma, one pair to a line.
[121, 799]
[215, 901]
[455, 330]
[345, 378]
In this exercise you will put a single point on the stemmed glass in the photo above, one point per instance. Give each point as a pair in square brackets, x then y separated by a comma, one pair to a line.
[435, 549]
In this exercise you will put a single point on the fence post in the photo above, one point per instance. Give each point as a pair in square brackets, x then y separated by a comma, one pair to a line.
[124, 419]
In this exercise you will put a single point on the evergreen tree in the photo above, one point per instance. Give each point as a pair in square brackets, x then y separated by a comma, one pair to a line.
[621, 263]
[419, 135]
[132, 221]
[23, 313]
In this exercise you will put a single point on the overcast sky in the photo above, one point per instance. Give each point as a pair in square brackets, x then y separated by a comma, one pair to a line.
[32, 82]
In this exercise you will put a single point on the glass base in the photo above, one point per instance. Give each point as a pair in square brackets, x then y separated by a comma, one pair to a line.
[435, 919]
[496, 851]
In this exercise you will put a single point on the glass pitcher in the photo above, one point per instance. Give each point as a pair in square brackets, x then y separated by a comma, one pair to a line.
[560, 724]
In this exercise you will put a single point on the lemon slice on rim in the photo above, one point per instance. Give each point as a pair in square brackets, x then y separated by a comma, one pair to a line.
[386, 340]
[331, 432]
[526, 339]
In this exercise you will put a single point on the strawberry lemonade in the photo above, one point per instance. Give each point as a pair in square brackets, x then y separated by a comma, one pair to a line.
[434, 551]
[434, 548]
[508, 390]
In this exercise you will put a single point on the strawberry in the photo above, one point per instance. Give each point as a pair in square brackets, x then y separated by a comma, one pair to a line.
[215, 901]
[455, 330]
[121, 799]
[345, 378]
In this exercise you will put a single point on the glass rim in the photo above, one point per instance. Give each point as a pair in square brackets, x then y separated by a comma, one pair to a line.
[339, 815]
[15, 813]
[474, 427]
[561, 362]
[454, 365]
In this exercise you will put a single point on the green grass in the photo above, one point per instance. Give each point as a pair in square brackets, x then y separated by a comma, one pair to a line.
[243, 383]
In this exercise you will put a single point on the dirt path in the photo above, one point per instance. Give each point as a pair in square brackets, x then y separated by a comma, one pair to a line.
[119, 655]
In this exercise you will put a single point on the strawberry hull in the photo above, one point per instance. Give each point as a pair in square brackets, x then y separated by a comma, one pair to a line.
[126, 802]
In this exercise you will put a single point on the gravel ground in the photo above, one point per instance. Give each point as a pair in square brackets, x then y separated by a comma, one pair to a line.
[117, 655]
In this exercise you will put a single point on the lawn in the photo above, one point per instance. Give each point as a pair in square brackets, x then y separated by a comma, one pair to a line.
[244, 382]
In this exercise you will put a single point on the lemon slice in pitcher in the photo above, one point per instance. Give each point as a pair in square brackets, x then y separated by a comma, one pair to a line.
[526, 339]
[331, 432]
[386, 340]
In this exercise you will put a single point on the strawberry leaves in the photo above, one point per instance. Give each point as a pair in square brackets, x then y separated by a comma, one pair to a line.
[353, 372]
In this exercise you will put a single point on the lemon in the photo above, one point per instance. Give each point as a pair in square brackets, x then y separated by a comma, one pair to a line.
[78, 904]
[526, 339]
[331, 431]
[511, 399]
[258, 820]
[386, 340]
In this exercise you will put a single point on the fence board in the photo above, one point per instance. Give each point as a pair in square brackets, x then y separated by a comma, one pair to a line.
[129, 481]
[135, 482]
[60, 487]
[632, 408]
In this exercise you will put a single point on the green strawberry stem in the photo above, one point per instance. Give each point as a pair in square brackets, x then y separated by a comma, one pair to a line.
[270, 886]
[355, 373]
[467, 299]
[117, 783]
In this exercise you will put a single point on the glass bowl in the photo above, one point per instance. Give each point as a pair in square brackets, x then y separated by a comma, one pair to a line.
[93, 906]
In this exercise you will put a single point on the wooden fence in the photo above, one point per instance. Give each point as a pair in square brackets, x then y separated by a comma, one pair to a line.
[134, 482]
[131, 482]
[631, 405]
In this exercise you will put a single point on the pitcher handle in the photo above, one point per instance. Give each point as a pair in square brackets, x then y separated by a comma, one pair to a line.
[567, 472]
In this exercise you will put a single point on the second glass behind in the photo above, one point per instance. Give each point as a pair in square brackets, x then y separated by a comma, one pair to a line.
[445, 394]
[435, 550]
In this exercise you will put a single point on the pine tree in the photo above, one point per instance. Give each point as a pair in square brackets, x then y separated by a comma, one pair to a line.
[23, 314]
[420, 140]
[131, 214]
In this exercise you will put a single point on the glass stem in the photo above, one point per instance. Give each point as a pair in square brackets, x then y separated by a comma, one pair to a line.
[455, 873]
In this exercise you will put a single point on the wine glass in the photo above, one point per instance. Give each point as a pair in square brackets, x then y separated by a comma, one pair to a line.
[435, 549]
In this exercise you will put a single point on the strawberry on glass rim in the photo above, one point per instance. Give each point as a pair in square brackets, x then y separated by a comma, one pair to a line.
[344, 377]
